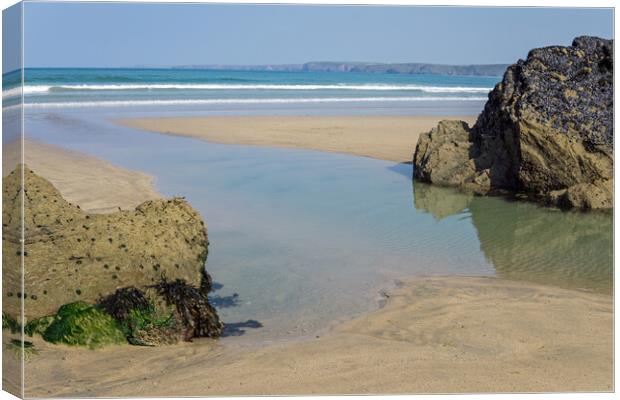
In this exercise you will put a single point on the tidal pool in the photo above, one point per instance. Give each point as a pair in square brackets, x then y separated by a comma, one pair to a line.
[301, 239]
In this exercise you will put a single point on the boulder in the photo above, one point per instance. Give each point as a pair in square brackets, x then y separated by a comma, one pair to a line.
[72, 256]
[546, 132]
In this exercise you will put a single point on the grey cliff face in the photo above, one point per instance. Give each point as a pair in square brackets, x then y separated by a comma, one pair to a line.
[546, 131]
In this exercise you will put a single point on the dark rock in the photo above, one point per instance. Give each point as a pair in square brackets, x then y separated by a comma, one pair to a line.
[124, 301]
[546, 131]
[191, 304]
[162, 314]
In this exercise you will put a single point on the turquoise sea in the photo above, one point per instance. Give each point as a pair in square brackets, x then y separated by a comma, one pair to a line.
[195, 88]
[301, 239]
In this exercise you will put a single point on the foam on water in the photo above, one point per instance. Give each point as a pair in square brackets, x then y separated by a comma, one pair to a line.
[176, 102]
[70, 88]
[29, 89]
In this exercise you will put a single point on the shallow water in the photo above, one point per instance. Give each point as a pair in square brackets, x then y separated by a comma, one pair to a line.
[300, 239]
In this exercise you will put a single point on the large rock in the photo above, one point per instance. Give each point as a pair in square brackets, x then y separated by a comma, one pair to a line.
[70, 255]
[546, 131]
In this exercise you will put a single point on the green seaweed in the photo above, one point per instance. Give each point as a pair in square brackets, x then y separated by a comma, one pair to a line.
[150, 327]
[123, 301]
[10, 323]
[39, 326]
[81, 324]
[142, 322]
[18, 348]
[145, 319]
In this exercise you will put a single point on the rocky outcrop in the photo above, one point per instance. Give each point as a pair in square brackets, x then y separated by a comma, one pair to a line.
[546, 132]
[72, 256]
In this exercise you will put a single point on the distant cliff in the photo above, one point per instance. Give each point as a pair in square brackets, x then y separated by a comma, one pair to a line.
[366, 67]
[408, 68]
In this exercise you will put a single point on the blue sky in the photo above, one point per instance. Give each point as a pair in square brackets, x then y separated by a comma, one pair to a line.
[115, 34]
[11, 42]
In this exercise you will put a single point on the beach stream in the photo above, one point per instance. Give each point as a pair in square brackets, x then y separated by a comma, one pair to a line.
[302, 239]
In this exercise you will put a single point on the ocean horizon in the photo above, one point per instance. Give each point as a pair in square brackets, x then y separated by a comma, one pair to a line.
[100, 87]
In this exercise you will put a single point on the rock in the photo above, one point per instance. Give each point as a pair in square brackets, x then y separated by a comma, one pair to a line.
[192, 308]
[142, 318]
[163, 313]
[441, 154]
[546, 131]
[71, 256]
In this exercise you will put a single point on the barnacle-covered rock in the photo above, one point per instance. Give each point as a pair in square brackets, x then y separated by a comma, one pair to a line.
[70, 255]
[546, 131]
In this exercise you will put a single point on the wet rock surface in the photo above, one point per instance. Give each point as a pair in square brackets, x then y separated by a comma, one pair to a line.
[71, 256]
[545, 132]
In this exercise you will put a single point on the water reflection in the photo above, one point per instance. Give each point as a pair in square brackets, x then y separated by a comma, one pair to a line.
[527, 242]
[438, 201]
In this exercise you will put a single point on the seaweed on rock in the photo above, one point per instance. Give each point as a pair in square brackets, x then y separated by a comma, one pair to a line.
[10, 323]
[123, 301]
[82, 324]
[198, 316]
[39, 326]
[144, 323]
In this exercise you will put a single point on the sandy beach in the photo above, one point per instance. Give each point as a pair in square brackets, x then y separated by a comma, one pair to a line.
[435, 334]
[390, 138]
[95, 185]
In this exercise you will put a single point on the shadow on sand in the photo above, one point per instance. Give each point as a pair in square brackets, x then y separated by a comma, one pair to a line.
[239, 328]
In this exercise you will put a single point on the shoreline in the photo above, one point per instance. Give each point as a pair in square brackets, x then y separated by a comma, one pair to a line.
[96, 185]
[435, 334]
[391, 138]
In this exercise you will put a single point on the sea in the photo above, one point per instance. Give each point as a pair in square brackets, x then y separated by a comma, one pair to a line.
[301, 239]
[203, 89]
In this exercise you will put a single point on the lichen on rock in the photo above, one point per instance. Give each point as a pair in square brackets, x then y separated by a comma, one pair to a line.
[546, 132]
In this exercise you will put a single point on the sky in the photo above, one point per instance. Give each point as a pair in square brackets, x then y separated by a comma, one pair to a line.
[11, 38]
[126, 35]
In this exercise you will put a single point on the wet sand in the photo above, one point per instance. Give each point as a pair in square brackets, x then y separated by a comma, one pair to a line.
[95, 185]
[434, 335]
[390, 138]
